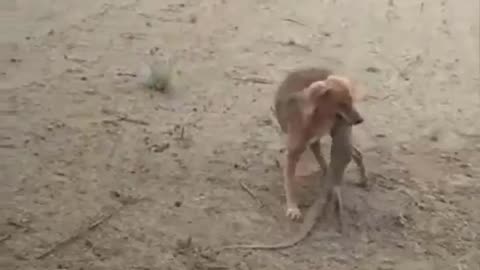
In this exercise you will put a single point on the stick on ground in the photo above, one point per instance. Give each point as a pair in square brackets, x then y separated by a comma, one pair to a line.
[133, 121]
[81, 233]
[92, 226]
[250, 192]
[250, 79]
[294, 21]
[5, 237]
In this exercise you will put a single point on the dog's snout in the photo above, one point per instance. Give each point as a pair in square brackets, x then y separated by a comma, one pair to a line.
[358, 121]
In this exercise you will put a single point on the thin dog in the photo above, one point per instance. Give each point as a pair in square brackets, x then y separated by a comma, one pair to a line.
[309, 104]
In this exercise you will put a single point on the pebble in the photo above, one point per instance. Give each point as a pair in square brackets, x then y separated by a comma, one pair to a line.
[372, 69]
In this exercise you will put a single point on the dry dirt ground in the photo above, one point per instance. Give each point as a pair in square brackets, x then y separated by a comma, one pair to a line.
[81, 139]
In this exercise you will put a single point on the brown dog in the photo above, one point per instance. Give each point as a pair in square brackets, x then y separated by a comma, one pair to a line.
[307, 105]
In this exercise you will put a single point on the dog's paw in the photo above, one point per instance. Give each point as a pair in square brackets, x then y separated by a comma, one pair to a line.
[293, 213]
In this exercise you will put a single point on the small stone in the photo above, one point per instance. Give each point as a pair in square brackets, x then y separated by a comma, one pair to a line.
[177, 203]
[372, 69]
[160, 77]
[267, 122]
[465, 165]
[90, 91]
[421, 206]
[88, 243]
[242, 266]
[153, 50]
[385, 267]
[386, 264]
[115, 194]
[159, 148]
[184, 243]
[291, 42]
[401, 221]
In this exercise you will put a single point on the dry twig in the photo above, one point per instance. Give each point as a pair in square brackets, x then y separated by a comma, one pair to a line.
[74, 237]
[8, 146]
[250, 192]
[5, 237]
[122, 117]
[133, 121]
[251, 79]
[127, 74]
[293, 43]
[294, 21]
[92, 226]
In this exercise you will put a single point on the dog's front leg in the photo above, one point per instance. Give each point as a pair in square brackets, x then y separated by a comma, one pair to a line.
[295, 147]
[316, 149]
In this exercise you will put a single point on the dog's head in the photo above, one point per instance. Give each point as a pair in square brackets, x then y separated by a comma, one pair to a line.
[334, 96]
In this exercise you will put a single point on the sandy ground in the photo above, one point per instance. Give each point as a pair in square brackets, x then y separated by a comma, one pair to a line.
[80, 137]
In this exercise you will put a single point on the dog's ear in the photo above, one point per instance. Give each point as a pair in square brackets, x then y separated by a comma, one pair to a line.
[311, 97]
[317, 89]
[356, 90]
[304, 104]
